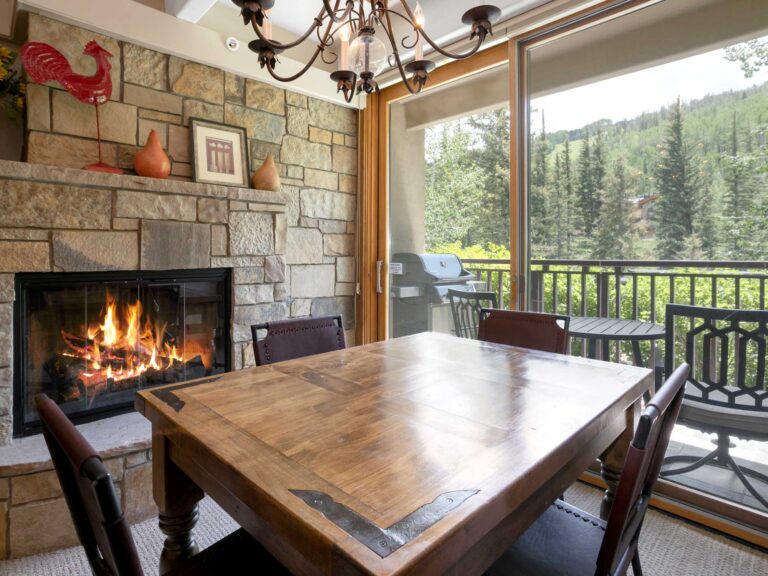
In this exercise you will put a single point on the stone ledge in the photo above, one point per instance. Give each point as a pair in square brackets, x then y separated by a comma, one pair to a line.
[75, 177]
[110, 437]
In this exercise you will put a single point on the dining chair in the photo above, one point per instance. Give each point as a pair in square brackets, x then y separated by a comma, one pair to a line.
[465, 309]
[727, 391]
[566, 541]
[295, 338]
[533, 330]
[99, 521]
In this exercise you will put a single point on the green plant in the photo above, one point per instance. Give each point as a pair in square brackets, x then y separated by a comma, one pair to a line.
[12, 89]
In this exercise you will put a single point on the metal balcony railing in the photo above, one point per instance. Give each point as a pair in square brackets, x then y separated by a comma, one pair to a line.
[632, 289]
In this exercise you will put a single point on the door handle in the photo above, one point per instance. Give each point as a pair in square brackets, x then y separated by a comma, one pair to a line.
[379, 266]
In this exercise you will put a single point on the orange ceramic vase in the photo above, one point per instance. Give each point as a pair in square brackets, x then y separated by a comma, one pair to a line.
[266, 177]
[152, 161]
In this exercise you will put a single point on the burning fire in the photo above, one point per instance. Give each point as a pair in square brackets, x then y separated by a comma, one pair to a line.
[122, 347]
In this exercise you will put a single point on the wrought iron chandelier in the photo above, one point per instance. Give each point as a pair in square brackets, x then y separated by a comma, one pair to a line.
[360, 60]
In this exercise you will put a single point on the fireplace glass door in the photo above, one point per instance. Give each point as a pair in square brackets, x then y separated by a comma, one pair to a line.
[90, 341]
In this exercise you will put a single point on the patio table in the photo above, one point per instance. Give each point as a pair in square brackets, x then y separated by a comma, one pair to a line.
[424, 455]
[606, 330]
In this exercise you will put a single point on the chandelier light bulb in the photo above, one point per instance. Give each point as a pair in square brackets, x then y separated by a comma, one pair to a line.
[344, 51]
[418, 16]
[367, 54]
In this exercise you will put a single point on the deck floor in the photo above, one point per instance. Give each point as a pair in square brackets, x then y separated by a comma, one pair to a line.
[717, 480]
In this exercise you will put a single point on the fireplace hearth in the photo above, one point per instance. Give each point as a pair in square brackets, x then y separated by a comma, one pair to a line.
[91, 340]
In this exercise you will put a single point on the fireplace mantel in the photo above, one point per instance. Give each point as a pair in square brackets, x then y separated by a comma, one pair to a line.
[70, 176]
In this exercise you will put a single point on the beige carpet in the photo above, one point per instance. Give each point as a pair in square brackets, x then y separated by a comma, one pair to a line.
[668, 547]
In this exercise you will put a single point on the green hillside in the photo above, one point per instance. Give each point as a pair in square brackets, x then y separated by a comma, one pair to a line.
[708, 123]
[702, 167]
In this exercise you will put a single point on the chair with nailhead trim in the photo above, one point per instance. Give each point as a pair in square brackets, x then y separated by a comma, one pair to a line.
[566, 541]
[289, 339]
[103, 529]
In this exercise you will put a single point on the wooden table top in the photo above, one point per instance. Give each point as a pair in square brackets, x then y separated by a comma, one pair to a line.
[614, 329]
[396, 457]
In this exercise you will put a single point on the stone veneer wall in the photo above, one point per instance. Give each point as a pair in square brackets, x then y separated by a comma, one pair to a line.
[314, 144]
[34, 517]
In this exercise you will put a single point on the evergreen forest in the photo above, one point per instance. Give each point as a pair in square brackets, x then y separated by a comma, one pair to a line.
[686, 182]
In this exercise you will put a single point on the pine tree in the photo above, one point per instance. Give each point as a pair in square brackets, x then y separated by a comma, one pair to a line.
[563, 204]
[492, 131]
[614, 236]
[539, 197]
[676, 181]
[586, 188]
[740, 190]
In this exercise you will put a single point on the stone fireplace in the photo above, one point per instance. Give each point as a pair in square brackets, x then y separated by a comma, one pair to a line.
[90, 340]
[142, 243]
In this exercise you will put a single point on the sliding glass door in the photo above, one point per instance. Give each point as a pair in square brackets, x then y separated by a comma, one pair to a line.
[449, 218]
[647, 184]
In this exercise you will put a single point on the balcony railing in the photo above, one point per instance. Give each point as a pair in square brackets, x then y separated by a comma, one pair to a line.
[628, 288]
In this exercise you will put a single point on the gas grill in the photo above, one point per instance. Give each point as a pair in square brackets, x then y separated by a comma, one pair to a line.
[420, 284]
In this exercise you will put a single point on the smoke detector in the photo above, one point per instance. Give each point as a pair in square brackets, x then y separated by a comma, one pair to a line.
[233, 44]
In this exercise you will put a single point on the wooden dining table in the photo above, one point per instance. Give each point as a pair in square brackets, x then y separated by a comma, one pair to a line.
[423, 455]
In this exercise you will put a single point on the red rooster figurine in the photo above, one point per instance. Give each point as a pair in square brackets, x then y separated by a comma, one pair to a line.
[44, 63]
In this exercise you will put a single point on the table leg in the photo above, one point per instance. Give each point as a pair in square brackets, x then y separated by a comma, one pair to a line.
[176, 497]
[612, 460]
[591, 348]
[637, 353]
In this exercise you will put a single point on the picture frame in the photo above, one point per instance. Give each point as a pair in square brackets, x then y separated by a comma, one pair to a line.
[219, 153]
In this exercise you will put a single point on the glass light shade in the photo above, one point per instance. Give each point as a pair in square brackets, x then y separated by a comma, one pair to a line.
[367, 54]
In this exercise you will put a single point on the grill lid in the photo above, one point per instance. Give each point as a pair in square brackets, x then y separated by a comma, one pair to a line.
[431, 268]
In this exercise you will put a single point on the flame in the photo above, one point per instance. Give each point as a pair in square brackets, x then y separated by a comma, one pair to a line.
[126, 343]
[109, 328]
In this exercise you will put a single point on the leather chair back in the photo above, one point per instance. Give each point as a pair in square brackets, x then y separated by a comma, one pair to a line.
[90, 495]
[641, 470]
[533, 330]
[289, 339]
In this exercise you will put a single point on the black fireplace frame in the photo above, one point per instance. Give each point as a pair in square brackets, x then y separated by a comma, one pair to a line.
[37, 280]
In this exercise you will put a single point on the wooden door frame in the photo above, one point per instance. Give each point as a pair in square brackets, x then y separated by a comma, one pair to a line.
[373, 241]
[373, 210]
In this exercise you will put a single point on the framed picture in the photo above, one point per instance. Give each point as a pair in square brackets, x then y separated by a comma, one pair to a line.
[220, 153]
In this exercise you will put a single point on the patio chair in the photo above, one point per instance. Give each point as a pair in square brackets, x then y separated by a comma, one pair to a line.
[533, 330]
[465, 309]
[99, 521]
[566, 541]
[726, 392]
[289, 339]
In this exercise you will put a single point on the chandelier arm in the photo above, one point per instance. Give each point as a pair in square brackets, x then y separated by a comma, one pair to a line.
[472, 51]
[298, 74]
[407, 82]
[276, 45]
[391, 37]
[332, 11]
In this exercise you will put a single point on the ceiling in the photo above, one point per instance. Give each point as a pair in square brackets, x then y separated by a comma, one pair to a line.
[292, 18]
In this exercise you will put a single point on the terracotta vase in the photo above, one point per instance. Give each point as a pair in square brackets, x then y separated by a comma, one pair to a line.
[266, 177]
[152, 161]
